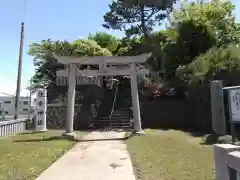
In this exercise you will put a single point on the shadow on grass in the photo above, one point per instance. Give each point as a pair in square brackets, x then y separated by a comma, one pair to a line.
[207, 138]
[111, 139]
[30, 132]
[55, 138]
[191, 131]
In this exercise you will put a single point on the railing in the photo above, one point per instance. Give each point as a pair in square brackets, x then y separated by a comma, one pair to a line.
[114, 103]
[11, 127]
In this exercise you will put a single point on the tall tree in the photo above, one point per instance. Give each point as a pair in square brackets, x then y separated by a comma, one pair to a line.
[46, 65]
[106, 40]
[137, 17]
[197, 27]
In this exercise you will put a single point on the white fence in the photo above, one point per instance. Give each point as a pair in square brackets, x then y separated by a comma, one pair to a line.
[227, 161]
[11, 127]
[8, 118]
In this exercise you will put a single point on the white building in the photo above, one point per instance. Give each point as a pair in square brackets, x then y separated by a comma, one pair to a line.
[8, 105]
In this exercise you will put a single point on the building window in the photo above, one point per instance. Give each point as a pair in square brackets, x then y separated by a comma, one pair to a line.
[25, 102]
[25, 110]
[0, 113]
[6, 112]
[7, 102]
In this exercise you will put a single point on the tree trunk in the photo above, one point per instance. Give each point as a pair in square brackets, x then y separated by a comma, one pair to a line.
[143, 23]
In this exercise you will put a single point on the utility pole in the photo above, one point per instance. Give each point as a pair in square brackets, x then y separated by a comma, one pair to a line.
[19, 73]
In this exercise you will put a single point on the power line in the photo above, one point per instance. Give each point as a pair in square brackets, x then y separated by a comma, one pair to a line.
[6, 94]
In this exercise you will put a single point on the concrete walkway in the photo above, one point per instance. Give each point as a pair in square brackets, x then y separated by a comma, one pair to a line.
[93, 160]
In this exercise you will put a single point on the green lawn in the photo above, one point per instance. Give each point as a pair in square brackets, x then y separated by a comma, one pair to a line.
[170, 155]
[25, 156]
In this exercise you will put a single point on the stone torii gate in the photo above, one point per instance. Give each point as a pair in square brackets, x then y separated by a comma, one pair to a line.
[108, 66]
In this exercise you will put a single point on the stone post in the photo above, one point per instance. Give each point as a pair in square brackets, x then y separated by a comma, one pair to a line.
[71, 101]
[220, 157]
[217, 108]
[135, 101]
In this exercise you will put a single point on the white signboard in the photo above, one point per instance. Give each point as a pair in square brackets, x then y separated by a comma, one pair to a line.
[234, 98]
[40, 110]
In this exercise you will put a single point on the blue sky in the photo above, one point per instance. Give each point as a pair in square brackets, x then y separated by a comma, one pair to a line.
[55, 19]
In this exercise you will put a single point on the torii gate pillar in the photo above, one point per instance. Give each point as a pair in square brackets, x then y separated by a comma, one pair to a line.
[71, 101]
[135, 101]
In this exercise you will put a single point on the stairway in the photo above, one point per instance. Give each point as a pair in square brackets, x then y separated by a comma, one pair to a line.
[120, 117]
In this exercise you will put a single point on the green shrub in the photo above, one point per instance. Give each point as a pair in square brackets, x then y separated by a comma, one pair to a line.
[216, 63]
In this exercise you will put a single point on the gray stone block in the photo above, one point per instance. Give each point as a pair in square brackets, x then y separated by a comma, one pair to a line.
[217, 108]
[221, 158]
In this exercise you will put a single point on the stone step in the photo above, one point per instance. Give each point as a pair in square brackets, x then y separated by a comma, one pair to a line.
[124, 103]
[115, 116]
[114, 113]
[116, 108]
[121, 116]
[121, 110]
[117, 119]
[108, 122]
[113, 120]
[123, 100]
[113, 124]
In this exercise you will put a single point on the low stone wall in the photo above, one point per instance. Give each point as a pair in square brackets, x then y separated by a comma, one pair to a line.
[12, 127]
[87, 102]
[56, 116]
